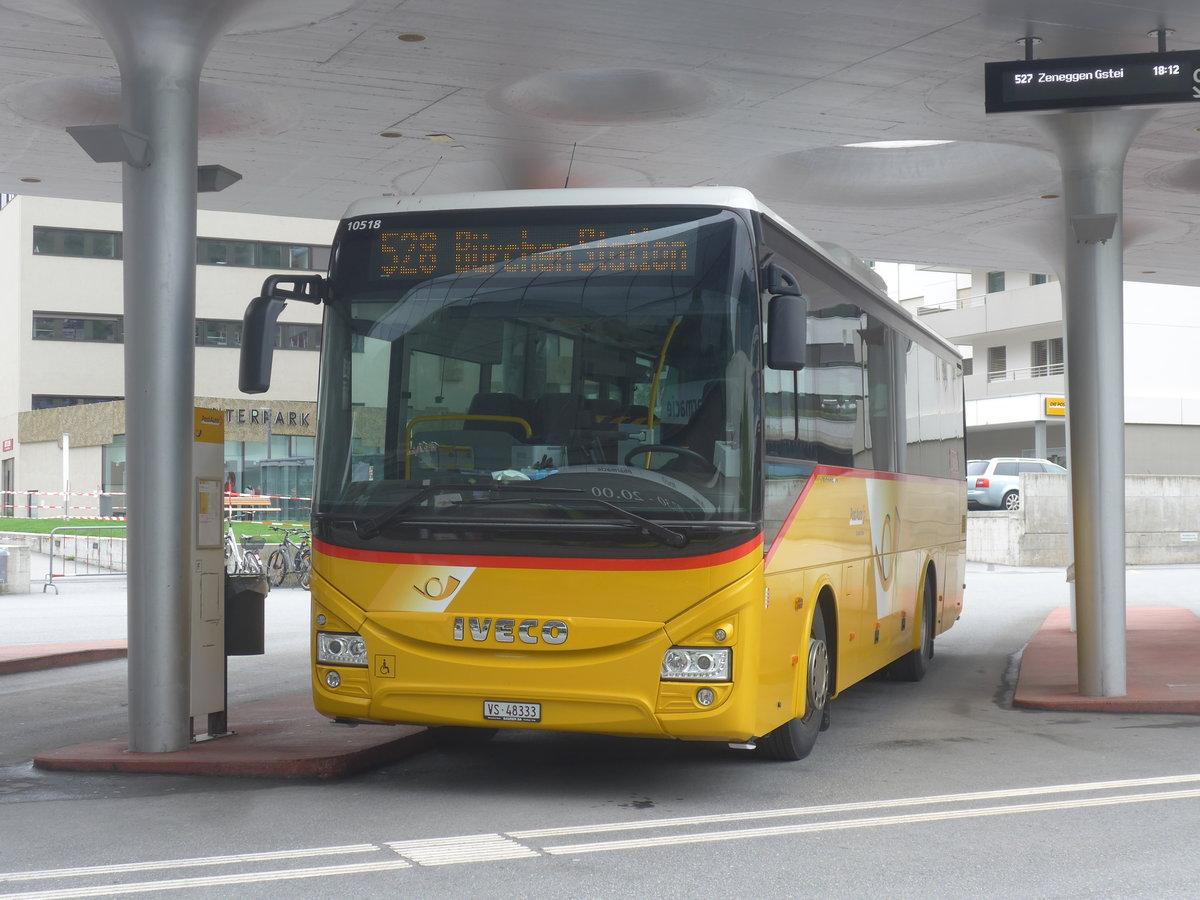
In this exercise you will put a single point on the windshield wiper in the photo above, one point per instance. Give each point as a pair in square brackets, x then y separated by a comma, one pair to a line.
[372, 529]
[647, 527]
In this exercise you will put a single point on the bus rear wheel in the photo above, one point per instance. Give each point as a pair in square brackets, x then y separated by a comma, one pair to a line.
[795, 739]
[913, 665]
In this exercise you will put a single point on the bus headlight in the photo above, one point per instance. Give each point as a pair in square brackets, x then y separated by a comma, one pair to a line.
[697, 664]
[341, 649]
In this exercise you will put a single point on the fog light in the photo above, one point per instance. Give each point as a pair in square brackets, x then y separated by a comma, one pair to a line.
[333, 679]
[705, 696]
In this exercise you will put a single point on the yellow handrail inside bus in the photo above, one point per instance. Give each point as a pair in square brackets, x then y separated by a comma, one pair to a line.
[662, 361]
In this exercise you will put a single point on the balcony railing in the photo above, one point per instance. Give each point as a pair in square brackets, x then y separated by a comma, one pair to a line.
[957, 303]
[1026, 373]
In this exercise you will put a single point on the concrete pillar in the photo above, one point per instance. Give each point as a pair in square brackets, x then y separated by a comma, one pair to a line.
[1091, 148]
[160, 47]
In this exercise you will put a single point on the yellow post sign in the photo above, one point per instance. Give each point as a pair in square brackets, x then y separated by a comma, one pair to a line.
[1056, 406]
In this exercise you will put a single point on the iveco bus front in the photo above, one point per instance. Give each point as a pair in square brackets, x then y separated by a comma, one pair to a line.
[539, 488]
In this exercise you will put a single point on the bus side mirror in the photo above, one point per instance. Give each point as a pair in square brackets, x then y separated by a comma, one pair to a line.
[258, 344]
[259, 322]
[787, 320]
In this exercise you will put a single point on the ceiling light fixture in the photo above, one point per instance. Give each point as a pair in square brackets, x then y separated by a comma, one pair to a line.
[31, 180]
[1050, 196]
[391, 134]
[410, 37]
[112, 143]
[895, 145]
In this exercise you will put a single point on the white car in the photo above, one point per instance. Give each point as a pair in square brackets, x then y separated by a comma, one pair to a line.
[996, 483]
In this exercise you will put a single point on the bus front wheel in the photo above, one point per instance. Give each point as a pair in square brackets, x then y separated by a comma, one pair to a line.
[795, 739]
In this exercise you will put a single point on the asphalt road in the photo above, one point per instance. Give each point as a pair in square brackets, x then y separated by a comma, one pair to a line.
[938, 789]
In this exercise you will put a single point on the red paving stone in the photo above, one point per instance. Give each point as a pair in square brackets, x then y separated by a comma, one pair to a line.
[1162, 665]
[31, 657]
[283, 738]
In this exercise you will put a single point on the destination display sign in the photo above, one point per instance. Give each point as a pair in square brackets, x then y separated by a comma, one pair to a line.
[578, 250]
[1132, 79]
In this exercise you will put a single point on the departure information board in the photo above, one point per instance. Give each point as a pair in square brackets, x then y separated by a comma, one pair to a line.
[1132, 79]
[534, 249]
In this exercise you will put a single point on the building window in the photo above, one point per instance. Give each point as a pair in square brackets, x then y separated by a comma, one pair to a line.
[228, 333]
[77, 242]
[997, 363]
[217, 252]
[218, 333]
[209, 251]
[75, 327]
[1047, 357]
[54, 401]
[968, 366]
[298, 337]
[1038, 279]
[259, 255]
[208, 332]
[995, 282]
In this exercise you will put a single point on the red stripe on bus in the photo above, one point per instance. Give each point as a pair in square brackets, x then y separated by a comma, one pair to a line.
[534, 562]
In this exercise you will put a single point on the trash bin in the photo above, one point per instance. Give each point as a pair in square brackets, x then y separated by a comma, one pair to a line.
[245, 614]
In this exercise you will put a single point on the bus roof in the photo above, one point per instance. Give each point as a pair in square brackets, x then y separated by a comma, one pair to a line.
[733, 197]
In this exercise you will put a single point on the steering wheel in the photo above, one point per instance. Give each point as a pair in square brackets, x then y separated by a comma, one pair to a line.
[681, 452]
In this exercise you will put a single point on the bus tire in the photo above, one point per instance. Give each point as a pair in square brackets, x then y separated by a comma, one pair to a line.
[913, 665]
[795, 739]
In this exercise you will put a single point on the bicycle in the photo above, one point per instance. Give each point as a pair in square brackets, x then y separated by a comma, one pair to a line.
[291, 558]
[243, 558]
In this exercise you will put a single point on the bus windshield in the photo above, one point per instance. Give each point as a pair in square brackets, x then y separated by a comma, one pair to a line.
[574, 377]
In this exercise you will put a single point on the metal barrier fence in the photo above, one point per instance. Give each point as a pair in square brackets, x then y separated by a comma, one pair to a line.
[96, 506]
[85, 551]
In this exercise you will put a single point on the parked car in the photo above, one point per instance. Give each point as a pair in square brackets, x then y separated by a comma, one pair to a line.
[996, 483]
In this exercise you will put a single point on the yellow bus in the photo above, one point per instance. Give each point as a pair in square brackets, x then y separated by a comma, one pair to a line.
[632, 462]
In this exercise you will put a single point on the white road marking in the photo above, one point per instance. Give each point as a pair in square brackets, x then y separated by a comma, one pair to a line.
[227, 860]
[852, 807]
[511, 845]
[844, 824]
[175, 884]
[467, 849]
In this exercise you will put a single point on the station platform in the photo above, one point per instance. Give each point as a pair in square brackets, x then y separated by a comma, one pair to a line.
[283, 738]
[1162, 651]
[286, 738]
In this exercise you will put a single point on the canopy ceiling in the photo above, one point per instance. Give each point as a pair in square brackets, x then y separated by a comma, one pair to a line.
[320, 102]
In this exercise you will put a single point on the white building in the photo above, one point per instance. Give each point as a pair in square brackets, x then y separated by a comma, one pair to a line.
[1010, 326]
[61, 358]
